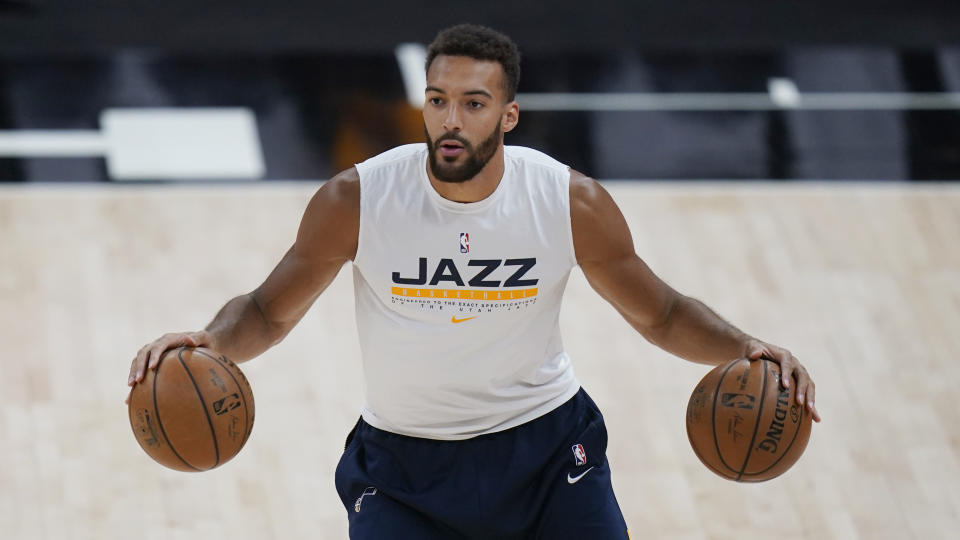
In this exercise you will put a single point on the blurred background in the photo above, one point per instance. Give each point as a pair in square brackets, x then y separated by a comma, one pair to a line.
[791, 164]
[648, 90]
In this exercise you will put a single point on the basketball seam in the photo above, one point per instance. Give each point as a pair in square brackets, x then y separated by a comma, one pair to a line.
[708, 465]
[156, 408]
[713, 417]
[246, 411]
[756, 425]
[203, 404]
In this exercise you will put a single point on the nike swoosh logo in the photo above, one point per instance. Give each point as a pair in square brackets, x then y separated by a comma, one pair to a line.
[456, 320]
[575, 479]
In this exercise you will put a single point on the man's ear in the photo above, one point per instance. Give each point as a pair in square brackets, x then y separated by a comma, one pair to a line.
[511, 117]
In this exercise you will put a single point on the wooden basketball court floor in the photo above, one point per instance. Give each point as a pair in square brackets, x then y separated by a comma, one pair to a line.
[860, 280]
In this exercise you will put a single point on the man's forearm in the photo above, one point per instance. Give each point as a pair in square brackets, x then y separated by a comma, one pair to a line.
[241, 331]
[693, 331]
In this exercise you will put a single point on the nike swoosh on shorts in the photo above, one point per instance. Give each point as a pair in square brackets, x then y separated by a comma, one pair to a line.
[575, 479]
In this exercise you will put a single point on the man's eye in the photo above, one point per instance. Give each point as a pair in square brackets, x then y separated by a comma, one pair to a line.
[434, 101]
[476, 104]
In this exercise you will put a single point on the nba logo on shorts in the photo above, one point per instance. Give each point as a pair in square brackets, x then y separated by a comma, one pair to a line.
[464, 242]
[580, 454]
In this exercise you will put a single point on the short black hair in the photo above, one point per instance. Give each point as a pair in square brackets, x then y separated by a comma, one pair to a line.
[480, 43]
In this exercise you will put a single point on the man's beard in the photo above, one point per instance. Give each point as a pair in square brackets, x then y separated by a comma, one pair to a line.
[474, 162]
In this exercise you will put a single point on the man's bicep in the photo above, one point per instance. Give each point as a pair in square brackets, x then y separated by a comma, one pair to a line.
[331, 223]
[605, 253]
[600, 232]
[326, 240]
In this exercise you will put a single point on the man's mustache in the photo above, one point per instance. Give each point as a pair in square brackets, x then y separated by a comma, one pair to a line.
[453, 137]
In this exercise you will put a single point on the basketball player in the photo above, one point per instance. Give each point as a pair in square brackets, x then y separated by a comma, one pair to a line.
[474, 425]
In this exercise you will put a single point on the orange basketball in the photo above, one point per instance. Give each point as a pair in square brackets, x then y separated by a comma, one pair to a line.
[743, 425]
[195, 412]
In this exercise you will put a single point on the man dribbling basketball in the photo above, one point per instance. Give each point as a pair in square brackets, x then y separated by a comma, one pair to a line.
[474, 425]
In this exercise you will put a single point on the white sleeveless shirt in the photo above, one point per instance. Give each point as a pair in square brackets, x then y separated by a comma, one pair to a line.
[458, 303]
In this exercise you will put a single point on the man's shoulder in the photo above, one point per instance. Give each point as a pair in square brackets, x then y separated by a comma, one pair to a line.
[529, 156]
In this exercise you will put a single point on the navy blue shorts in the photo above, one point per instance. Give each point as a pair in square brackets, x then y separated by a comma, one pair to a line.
[546, 479]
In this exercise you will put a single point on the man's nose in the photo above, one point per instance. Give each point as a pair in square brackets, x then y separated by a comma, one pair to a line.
[451, 121]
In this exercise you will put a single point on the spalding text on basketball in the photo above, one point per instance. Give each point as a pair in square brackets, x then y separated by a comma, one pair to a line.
[772, 439]
[447, 270]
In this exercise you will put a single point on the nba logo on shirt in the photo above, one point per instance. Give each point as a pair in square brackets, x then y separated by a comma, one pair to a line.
[580, 454]
[464, 242]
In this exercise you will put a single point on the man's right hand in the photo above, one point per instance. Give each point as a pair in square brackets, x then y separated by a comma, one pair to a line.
[149, 355]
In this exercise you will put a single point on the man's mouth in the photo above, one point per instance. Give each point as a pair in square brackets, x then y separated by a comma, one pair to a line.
[450, 148]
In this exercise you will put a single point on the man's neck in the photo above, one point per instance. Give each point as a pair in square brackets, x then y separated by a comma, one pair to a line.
[475, 189]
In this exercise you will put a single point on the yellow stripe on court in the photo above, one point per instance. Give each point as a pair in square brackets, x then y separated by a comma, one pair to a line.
[460, 294]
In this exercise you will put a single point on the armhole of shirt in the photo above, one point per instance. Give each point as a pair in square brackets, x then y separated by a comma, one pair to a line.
[569, 220]
[358, 258]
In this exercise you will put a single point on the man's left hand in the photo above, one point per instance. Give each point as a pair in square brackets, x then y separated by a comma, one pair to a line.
[790, 367]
